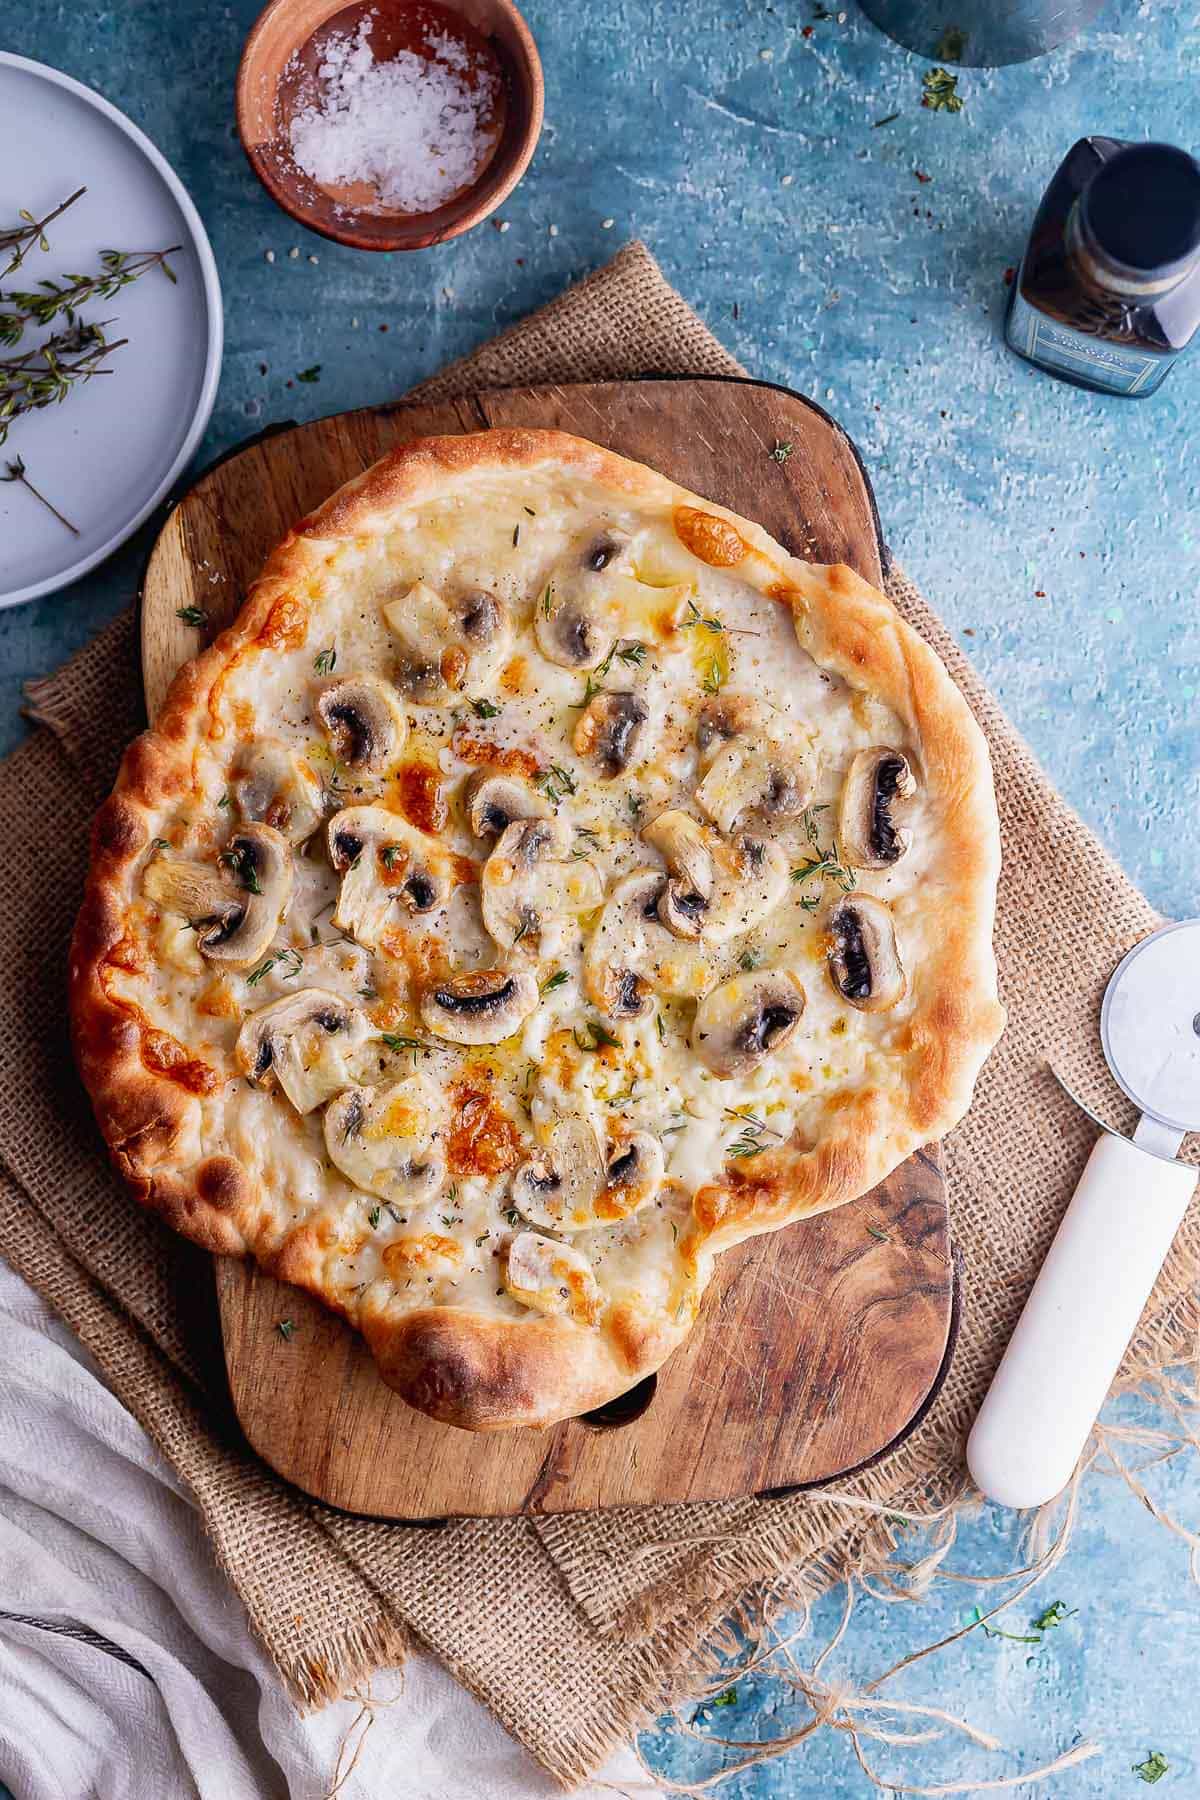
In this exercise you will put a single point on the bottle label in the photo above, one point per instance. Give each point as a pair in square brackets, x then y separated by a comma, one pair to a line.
[1093, 359]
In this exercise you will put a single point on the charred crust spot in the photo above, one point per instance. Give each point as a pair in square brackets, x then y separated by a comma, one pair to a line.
[221, 1182]
[119, 831]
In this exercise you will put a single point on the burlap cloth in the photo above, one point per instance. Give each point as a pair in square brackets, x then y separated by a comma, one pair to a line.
[573, 1629]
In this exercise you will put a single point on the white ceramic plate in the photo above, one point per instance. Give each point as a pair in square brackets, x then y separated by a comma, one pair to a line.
[111, 451]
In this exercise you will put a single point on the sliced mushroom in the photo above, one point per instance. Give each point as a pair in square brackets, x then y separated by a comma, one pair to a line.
[722, 718]
[529, 886]
[234, 927]
[272, 785]
[580, 610]
[386, 1140]
[494, 799]
[864, 960]
[384, 861]
[633, 1176]
[559, 1186]
[550, 1277]
[749, 775]
[447, 643]
[744, 1020]
[870, 836]
[364, 721]
[303, 1042]
[608, 729]
[683, 844]
[569, 1186]
[718, 887]
[483, 1006]
[623, 942]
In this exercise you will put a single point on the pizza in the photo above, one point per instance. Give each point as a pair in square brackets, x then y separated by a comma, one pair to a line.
[545, 883]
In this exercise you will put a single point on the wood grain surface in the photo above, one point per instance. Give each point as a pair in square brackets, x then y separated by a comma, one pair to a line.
[818, 1345]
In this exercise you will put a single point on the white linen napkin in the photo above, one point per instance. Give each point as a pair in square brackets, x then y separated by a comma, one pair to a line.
[127, 1667]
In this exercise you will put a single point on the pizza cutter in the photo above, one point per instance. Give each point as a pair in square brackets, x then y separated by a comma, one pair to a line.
[1114, 1236]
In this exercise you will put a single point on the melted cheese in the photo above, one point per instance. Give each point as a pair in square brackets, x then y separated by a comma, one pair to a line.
[687, 627]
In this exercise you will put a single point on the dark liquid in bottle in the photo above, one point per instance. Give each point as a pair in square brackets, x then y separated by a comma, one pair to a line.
[1062, 280]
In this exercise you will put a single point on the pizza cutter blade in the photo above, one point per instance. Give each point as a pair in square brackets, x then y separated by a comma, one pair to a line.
[1114, 1236]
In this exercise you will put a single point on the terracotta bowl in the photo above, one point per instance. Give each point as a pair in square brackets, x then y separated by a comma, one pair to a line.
[280, 54]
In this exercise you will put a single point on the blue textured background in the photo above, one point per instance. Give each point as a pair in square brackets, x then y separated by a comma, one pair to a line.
[1056, 531]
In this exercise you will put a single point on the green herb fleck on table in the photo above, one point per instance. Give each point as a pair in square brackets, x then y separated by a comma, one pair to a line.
[195, 616]
[1054, 1615]
[15, 471]
[975, 1617]
[286, 1329]
[325, 661]
[728, 1697]
[1153, 1769]
[779, 451]
[940, 91]
[881, 1235]
[310, 375]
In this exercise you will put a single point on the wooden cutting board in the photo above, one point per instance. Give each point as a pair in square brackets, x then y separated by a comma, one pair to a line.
[819, 1346]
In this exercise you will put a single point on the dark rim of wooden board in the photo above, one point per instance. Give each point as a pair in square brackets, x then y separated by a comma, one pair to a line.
[956, 1282]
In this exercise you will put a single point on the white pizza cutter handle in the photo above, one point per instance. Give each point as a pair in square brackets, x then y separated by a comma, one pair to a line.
[1079, 1317]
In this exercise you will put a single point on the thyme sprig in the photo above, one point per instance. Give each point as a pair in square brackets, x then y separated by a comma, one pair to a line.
[627, 650]
[753, 1131]
[289, 962]
[823, 865]
[593, 1036]
[20, 239]
[45, 376]
[555, 782]
[15, 471]
[50, 300]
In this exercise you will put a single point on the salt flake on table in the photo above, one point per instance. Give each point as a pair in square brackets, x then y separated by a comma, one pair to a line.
[418, 128]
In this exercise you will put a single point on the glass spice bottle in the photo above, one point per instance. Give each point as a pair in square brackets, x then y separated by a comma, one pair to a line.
[1108, 292]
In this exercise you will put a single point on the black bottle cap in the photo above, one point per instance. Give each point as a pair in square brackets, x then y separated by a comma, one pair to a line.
[1142, 208]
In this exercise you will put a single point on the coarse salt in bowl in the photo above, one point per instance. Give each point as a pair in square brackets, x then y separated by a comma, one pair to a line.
[390, 125]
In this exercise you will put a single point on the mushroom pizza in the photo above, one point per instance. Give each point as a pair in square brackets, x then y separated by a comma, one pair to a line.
[545, 883]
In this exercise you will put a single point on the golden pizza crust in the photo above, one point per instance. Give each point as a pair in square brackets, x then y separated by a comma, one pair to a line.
[466, 1366]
